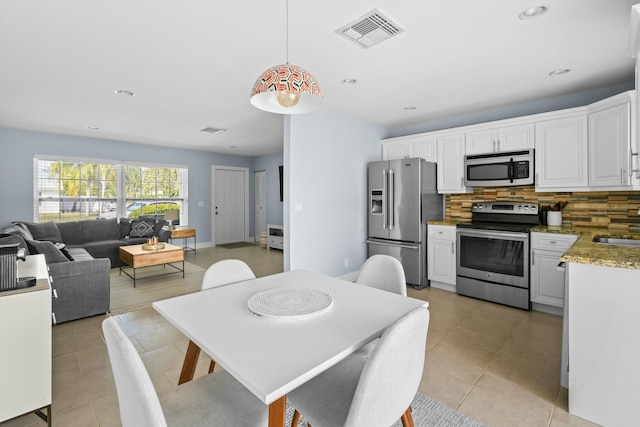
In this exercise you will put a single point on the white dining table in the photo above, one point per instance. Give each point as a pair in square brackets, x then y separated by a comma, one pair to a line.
[272, 357]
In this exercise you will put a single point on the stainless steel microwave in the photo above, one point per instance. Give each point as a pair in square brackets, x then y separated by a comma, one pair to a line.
[499, 169]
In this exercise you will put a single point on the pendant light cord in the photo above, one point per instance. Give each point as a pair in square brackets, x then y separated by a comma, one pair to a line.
[287, 30]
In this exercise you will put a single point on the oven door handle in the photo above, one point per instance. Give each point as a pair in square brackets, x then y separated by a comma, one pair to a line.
[493, 234]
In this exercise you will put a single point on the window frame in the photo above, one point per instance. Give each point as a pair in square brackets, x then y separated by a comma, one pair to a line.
[179, 196]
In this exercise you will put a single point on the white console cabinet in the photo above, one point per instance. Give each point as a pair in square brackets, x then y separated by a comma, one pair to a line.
[25, 359]
[274, 236]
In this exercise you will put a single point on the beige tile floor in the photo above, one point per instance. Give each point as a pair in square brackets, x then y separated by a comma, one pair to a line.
[496, 364]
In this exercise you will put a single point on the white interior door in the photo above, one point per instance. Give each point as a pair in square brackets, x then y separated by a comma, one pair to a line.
[229, 205]
[260, 207]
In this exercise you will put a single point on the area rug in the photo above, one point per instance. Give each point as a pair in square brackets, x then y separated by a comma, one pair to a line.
[426, 412]
[236, 245]
[152, 286]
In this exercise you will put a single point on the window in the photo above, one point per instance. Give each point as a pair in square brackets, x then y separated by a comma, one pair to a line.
[77, 189]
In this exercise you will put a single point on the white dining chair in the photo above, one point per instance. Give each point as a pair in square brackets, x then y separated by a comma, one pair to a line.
[383, 272]
[226, 272]
[369, 391]
[212, 400]
[221, 273]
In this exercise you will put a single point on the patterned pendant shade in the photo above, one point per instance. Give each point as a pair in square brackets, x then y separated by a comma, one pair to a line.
[286, 89]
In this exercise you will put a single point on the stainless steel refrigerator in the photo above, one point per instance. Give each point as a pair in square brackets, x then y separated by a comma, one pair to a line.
[402, 198]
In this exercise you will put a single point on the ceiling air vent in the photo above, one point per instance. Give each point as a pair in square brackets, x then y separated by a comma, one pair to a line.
[214, 131]
[370, 29]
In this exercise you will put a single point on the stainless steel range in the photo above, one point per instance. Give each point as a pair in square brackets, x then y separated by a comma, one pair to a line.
[493, 252]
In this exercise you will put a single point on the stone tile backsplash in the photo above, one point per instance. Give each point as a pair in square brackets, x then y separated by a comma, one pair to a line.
[616, 210]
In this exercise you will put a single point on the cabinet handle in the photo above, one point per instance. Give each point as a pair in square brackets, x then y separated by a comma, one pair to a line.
[453, 248]
[631, 169]
[533, 258]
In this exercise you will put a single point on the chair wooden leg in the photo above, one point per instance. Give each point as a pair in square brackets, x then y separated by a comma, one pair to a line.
[189, 364]
[296, 418]
[407, 418]
[212, 366]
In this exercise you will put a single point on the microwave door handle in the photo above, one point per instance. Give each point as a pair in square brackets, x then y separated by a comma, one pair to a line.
[511, 170]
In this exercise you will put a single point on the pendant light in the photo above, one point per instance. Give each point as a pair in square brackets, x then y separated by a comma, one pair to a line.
[286, 88]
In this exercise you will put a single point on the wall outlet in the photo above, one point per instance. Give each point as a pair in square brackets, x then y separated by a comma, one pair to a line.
[346, 263]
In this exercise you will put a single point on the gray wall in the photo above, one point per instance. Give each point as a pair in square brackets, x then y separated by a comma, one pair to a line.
[269, 164]
[561, 102]
[16, 171]
[325, 162]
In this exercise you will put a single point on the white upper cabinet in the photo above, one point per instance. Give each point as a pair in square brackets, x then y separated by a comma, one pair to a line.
[610, 143]
[561, 153]
[501, 139]
[395, 150]
[451, 164]
[423, 146]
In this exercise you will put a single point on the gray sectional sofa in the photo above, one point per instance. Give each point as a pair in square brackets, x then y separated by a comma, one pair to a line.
[79, 256]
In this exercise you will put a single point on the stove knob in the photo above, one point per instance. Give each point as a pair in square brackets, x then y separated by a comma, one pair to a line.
[526, 208]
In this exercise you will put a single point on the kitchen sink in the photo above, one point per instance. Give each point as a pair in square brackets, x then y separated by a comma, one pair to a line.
[605, 240]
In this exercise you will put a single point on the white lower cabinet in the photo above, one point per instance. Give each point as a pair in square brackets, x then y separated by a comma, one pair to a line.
[547, 282]
[441, 256]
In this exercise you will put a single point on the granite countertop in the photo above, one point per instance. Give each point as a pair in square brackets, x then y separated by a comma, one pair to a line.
[585, 251]
[451, 222]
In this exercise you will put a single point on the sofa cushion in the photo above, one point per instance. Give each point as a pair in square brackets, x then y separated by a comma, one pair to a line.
[70, 232]
[51, 253]
[141, 229]
[80, 254]
[99, 229]
[45, 231]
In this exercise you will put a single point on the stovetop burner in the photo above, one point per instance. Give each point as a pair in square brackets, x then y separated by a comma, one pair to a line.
[503, 215]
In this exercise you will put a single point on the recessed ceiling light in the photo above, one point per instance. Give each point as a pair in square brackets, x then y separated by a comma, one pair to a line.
[213, 130]
[533, 12]
[349, 81]
[93, 127]
[559, 72]
[410, 108]
[233, 147]
[125, 92]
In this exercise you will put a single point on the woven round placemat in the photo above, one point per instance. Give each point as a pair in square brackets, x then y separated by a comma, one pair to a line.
[289, 304]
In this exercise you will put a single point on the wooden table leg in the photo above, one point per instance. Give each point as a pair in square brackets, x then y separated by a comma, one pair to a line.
[277, 411]
[189, 364]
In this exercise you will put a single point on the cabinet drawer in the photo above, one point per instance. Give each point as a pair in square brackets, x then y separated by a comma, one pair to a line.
[445, 232]
[552, 241]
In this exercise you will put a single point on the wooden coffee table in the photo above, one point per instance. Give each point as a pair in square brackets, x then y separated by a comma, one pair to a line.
[136, 257]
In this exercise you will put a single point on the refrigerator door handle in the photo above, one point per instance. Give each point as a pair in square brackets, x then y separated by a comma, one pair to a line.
[395, 245]
[385, 205]
[392, 199]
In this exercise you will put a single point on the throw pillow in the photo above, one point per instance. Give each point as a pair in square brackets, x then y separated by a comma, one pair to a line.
[51, 253]
[125, 227]
[63, 248]
[18, 229]
[141, 229]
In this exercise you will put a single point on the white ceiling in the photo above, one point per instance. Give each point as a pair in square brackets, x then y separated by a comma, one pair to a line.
[192, 63]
